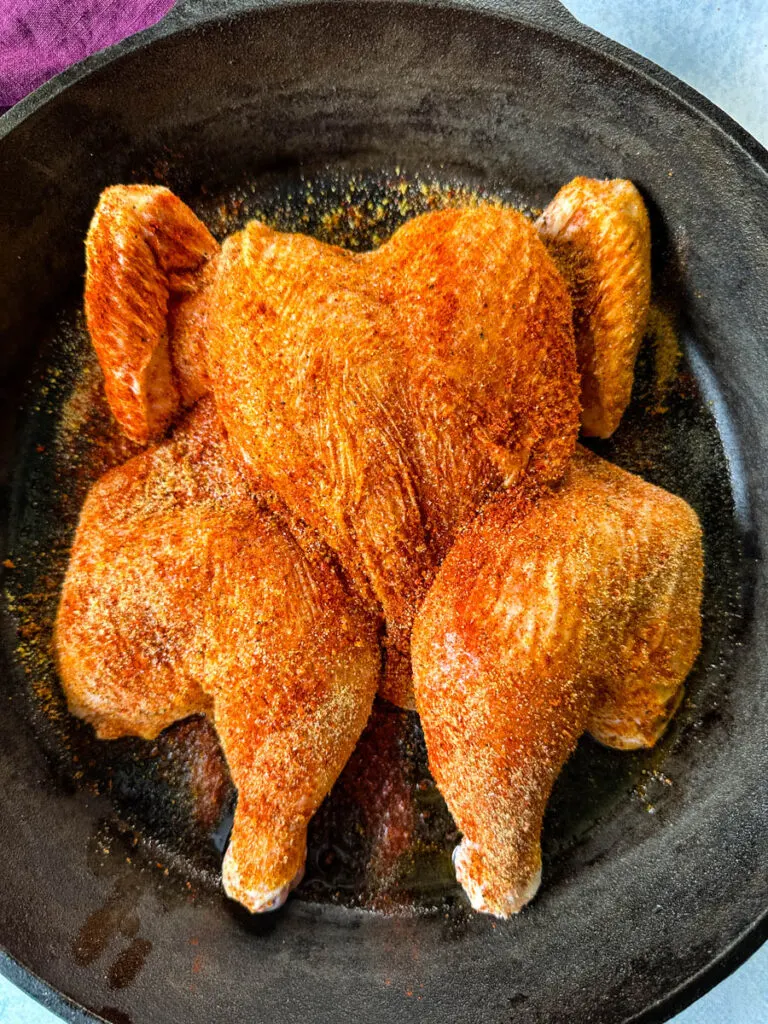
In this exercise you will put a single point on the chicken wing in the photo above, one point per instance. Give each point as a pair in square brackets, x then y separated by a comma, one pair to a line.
[575, 610]
[185, 595]
[599, 235]
[147, 270]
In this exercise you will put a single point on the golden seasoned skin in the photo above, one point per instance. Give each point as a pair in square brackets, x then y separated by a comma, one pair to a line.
[378, 402]
[146, 277]
[386, 396]
[490, 358]
[578, 609]
[293, 682]
[185, 595]
[599, 235]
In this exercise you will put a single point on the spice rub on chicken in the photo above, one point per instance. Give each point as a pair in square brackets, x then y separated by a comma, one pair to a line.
[373, 430]
[383, 396]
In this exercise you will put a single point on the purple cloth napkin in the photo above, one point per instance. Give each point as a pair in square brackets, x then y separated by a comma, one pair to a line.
[39, 38]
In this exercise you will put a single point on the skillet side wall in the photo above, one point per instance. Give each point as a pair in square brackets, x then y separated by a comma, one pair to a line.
[499, 101]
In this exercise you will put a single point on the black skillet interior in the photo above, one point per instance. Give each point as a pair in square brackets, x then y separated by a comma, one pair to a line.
[342, 120]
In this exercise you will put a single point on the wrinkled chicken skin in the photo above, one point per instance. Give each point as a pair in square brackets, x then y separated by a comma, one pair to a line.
[599, 235]
[184, 595]
[147, 271]
[386, 396]
[575, 611]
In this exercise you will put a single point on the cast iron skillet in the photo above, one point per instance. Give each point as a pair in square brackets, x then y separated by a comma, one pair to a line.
[655, 865]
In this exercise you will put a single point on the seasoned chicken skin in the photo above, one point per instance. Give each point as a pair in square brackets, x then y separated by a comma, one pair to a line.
[184, 595]
[577, 610]
[147, 259]
[599, 235]
[384, 397]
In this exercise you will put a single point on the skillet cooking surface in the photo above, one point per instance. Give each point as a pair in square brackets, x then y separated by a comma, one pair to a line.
[654, 863]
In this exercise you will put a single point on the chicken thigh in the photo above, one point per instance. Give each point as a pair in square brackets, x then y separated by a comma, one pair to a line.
[185, 595]
[574, 610]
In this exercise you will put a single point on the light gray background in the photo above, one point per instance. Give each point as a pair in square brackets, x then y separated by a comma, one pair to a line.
[721, 49]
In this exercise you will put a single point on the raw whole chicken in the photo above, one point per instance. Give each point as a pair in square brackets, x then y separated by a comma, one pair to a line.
[378, 439]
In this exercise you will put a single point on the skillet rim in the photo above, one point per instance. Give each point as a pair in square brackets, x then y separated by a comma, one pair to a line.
[554, 20]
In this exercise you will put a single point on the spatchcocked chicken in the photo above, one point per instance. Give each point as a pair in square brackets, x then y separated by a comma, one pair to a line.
[380, 445]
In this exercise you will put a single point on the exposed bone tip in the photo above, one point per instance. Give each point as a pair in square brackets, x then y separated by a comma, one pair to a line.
[500, 905]
[256, 899]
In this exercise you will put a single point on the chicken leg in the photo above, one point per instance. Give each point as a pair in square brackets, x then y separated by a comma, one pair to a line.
[184, 595]
[575, 610]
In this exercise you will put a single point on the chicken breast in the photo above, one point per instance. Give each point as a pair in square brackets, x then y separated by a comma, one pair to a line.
[385, 397]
